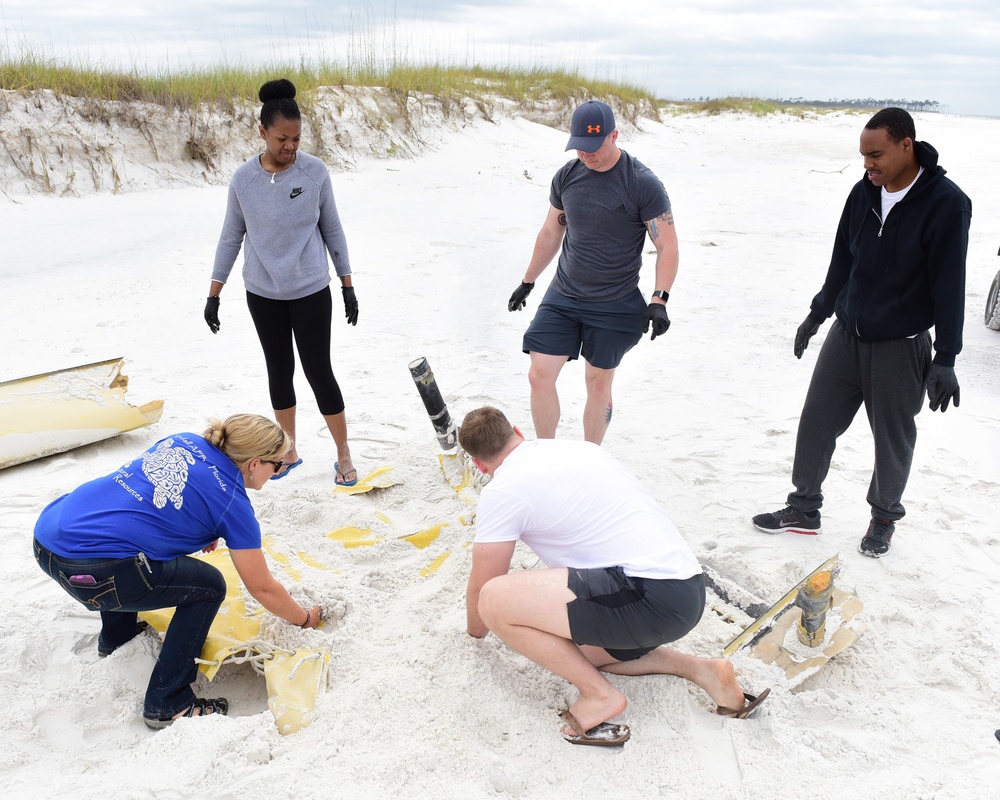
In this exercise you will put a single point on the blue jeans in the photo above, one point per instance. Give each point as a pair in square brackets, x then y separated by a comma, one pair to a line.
[120, 587]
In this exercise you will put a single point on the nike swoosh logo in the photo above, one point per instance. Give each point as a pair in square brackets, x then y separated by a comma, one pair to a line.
[295, 193]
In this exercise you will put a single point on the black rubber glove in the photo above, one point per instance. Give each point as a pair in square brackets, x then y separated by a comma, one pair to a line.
[805, 332]
[656, 313]
[350, 304]
[942, 387]
[212, 314]
[519, 299]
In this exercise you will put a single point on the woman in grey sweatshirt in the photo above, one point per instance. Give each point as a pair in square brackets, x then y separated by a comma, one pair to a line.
[281, 211]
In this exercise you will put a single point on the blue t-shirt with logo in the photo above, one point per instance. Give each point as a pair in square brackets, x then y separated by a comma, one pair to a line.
[175, 499]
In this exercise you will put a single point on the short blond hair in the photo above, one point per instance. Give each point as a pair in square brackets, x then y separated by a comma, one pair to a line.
[485, 432]
[244, 437]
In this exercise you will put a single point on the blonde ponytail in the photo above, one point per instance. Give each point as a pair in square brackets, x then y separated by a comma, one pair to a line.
[243, 437]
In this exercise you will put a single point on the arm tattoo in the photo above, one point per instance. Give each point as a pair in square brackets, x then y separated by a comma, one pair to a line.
[562, 219]
[654, 229]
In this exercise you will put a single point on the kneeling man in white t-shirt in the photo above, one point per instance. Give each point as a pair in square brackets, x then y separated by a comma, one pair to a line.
[620, 583]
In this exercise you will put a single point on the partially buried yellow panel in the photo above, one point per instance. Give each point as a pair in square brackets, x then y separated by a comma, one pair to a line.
[42, 415]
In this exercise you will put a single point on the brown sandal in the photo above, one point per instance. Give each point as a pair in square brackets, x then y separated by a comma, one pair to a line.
[751, 703]
[607, 734]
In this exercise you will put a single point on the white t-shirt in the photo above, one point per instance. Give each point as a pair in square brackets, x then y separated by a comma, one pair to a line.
[574, 505]
[889, 199]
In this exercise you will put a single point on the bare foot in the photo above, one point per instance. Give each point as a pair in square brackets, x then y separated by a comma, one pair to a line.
[718, 678]
[592, 711]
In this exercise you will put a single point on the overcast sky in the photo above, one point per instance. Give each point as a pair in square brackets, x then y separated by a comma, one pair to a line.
[945, 50]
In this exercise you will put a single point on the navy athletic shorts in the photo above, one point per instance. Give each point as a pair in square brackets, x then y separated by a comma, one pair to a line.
[603, 332]
[630, 616]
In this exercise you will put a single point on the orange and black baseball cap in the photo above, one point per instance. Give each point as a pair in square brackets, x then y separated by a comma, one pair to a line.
[591, 123]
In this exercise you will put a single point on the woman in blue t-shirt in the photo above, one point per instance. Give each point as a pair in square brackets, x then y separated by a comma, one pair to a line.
[120, 544]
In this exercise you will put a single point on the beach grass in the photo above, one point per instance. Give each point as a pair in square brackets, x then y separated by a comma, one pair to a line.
[223, 85]
[753, 106]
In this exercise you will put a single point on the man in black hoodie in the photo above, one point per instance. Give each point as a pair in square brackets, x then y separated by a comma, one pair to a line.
[898, 268]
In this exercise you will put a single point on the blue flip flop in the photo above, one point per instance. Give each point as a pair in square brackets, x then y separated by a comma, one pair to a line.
[336, 467]
[285, 471]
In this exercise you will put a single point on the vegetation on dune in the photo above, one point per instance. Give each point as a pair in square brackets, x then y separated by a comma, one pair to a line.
[224, 85]
[797, 106]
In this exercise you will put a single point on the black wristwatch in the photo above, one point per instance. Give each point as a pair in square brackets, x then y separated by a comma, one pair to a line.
[664, 296]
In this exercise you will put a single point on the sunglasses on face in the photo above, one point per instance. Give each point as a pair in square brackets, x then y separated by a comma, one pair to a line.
[276, 464]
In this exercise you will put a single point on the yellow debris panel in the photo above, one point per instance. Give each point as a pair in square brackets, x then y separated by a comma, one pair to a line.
[294, 678]
[42, 415]
[462, 475]
[351, 536]
[434, 566]
[421, 539]
[294, 681]
[378, 479]
[233, 626]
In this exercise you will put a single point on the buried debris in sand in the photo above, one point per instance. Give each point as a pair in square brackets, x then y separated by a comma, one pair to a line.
[773, 638]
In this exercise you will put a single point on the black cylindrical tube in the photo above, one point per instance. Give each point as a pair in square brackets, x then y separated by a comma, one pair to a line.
[445, 429]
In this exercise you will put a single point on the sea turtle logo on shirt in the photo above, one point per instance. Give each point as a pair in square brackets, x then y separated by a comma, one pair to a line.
[167, 469]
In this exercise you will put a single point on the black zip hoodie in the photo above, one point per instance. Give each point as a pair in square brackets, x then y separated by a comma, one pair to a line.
[898, 277]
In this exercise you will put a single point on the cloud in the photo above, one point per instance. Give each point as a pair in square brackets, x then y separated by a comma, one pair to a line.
[924, 50]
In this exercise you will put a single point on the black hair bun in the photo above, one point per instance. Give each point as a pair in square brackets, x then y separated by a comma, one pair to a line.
[276, 90]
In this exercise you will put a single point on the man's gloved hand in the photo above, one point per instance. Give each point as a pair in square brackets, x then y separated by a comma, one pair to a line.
[519, 299]
[805, 332]
[656, 313]
[212, 314]
[350, 304]
[942, 386]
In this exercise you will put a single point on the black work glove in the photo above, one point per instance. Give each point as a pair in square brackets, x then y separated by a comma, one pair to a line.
[212, 314]
[350, 305]
[942, 386]
[519, 299]
[805, 332]
[656, 313]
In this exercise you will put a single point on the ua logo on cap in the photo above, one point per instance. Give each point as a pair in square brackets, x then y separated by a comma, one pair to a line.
[593, 129]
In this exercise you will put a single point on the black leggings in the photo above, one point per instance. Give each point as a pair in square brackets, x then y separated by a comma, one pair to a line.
[309, 319]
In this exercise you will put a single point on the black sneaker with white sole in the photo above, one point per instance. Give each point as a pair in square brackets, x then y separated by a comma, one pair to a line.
[878, 538]
[788, 519]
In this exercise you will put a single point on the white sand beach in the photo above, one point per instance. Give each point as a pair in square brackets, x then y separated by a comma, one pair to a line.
[705, 415]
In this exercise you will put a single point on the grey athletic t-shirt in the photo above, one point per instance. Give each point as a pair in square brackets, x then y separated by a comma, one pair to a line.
[286, 224]
[606, 214]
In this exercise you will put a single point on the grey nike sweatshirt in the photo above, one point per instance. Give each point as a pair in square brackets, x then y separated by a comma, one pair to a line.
[285, 222]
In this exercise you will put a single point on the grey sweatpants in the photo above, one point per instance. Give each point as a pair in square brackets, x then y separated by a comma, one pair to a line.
[890, 378]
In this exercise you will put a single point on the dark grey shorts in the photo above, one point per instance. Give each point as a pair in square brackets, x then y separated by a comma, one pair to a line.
[629, 616]
[603, 332]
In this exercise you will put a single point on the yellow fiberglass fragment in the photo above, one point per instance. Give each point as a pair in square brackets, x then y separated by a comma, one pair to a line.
[421, 539]
[434, 566]
[282, 559]
[377, 479]
[294, 681]
[351, 536]
[309, 561]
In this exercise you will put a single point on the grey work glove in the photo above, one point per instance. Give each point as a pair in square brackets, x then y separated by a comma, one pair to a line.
[519, 299]
[212, 314]
[805, 332]
[350, 304]
[942, 386]
[656, 313]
